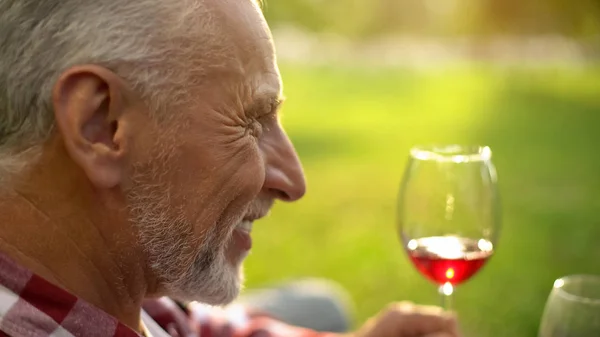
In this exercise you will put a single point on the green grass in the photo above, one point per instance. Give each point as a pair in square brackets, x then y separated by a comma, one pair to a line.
[353, 127]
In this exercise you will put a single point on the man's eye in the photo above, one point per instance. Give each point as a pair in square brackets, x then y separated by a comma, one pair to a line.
[255, 128]
[268, 118]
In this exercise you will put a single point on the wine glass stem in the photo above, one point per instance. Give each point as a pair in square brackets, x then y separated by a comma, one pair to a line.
[446, 290]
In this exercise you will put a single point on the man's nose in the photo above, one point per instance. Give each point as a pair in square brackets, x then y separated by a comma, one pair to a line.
[284, 177]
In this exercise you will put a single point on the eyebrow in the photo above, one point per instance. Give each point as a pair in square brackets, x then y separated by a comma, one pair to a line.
[266, 103]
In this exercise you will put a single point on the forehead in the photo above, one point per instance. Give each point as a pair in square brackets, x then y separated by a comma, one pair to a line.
[248, 35]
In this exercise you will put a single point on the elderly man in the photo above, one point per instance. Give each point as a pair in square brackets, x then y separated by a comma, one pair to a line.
[139, 141]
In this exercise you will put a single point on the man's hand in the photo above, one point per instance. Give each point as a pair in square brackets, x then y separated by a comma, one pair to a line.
[409, 320]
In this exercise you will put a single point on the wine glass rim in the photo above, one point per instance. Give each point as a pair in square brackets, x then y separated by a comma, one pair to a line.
[451, 153]
[559, 287]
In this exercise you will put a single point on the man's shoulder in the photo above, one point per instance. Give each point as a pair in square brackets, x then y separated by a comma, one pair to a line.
[32, 306]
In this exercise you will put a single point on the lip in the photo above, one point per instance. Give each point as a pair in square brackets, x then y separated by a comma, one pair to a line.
[242, 239]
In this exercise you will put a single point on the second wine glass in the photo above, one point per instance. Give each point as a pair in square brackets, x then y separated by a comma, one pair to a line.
[449, 213]
[573, 308]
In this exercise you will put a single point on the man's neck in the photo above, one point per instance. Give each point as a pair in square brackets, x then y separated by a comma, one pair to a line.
[54, 236]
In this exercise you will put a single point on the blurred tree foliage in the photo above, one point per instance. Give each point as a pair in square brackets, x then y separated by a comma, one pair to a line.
[480, 18]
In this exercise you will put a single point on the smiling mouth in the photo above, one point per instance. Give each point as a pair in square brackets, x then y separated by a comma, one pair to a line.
[241, 236]
[248, 220]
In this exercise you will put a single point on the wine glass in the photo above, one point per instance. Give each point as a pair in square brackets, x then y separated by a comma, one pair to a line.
[573, 308]
[449, 213]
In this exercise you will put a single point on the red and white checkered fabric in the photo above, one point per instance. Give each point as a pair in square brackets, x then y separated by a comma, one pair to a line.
[33, 307]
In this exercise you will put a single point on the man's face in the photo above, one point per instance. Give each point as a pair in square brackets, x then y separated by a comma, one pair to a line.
[199, 181]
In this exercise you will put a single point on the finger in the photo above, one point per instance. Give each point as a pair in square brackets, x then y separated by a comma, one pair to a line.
[430, 310]
[225, 331]
[260, 333]
[426, 323]
[409, 307]
[401, 306]
[453, 323]
[172, 331]
[440, 334]
[419, 320]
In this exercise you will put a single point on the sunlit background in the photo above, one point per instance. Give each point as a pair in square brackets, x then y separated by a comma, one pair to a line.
[366, 80]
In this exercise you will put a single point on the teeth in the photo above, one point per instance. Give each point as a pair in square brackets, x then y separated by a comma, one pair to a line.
[245, 225]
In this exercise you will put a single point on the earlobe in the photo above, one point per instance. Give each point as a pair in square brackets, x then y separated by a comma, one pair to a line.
[89, 110]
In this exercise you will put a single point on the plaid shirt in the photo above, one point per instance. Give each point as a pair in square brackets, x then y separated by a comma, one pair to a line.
[33, 307]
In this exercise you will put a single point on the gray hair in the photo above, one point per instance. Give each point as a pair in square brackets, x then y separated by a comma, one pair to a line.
[150, 43]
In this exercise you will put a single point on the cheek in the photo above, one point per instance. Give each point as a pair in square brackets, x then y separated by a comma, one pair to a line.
[217, 182]
[243, 175]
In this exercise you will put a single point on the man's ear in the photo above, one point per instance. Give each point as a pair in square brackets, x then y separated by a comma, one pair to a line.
[89, 108]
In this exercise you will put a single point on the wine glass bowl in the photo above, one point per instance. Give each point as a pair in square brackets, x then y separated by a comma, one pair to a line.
[573, 308]
[449, 212]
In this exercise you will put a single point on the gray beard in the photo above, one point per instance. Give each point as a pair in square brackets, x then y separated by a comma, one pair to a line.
[186, 270]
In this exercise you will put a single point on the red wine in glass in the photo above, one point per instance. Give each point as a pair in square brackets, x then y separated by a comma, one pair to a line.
[449, 213]
[449, 259]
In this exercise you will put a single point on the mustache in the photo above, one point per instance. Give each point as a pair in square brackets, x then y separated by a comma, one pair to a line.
[259, 208]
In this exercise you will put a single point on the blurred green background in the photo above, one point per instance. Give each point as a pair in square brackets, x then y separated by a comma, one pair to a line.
[359, 18]
[353, 121]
